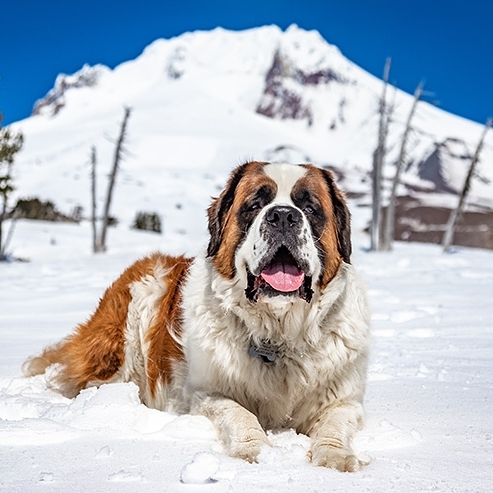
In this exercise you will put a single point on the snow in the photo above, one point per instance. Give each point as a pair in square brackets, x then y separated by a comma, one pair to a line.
[429, 397]
[428, 401]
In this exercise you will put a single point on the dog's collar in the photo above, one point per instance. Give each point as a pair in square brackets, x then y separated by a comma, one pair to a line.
[267, 351]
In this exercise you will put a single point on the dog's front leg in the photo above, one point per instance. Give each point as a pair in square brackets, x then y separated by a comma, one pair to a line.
[332, 434]
[238, 428]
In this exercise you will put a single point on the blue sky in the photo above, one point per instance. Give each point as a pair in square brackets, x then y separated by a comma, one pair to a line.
[447, 43]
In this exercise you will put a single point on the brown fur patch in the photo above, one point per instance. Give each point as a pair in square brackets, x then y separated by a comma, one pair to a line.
[315, 181]
[96, 350]
[253, 177]
[163, 350]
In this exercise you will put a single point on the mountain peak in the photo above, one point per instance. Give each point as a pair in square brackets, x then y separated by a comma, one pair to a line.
[54, 101]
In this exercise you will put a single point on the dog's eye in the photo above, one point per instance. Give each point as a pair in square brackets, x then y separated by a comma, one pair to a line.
[249, 209]
[253, 207]
[308, 202]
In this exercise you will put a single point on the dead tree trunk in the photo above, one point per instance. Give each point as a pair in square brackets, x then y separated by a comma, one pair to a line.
[95, 243]
[378, 164]
[456, 214]
[116, 161]
[389, 229]
[10, 233]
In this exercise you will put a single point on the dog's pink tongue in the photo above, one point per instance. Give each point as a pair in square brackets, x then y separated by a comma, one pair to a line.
[283, 277]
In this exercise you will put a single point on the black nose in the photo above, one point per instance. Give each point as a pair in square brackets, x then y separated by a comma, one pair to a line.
[283, 217]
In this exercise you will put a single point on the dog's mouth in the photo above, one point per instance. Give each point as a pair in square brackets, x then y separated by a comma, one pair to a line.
[281, 275]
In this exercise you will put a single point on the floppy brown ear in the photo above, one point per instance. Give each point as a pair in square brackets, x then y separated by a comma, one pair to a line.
[342, 217]
[219, 208]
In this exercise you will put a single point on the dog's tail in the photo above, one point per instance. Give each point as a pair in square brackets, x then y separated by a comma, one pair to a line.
[60, 378]
[36, 365]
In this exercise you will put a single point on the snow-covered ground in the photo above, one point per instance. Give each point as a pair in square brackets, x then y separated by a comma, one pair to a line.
[429, 400]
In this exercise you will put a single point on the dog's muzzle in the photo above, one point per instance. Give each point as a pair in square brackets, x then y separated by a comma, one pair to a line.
[283, 270]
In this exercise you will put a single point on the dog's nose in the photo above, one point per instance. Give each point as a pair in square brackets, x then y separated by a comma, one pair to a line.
[283, 217]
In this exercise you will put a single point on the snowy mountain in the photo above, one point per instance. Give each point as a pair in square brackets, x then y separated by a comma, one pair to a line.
[205, 101]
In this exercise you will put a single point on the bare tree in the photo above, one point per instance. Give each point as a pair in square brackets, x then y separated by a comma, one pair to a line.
[119, 150]
[10, 233]
[93, 201]
[457, 212]
[389, 229]
[378, 156]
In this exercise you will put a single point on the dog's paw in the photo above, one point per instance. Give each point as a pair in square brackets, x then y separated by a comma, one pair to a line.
[340, 459]
[248, 447]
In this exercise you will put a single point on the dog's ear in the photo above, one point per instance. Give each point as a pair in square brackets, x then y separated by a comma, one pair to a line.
[342, 217]
[219, 208]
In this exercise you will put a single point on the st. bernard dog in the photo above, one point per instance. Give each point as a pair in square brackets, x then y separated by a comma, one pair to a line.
[268, 329]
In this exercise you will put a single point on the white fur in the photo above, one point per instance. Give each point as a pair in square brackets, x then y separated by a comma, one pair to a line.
[142, 312]
[285, 176]
[321, 371]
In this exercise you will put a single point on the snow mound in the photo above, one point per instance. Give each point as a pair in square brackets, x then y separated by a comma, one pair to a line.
[201, 470]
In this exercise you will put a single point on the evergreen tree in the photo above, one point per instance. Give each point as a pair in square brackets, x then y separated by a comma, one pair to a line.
[10, 145]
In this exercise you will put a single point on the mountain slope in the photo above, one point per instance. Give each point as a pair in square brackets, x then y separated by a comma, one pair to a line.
[205, 101]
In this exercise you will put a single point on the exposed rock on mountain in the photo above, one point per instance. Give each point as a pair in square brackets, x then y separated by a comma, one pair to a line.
[54, 101]
[283, 95]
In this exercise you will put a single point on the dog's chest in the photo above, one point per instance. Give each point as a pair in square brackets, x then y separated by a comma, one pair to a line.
[274, 382]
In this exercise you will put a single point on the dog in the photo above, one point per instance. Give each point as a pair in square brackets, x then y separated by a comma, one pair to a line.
[266, 329]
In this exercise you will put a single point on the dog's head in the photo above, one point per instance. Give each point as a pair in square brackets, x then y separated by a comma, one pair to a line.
[279, 229]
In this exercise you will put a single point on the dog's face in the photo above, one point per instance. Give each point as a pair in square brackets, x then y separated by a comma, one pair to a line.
[282, 230]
